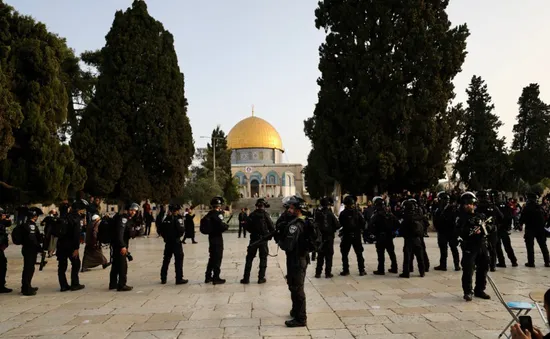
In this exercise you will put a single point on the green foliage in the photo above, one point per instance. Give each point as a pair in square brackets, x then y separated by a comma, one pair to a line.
[200, 190]
[134, 137]
[37, 70]
[482, 160]
[532, 136]
[316, 175]
[382, 117]
[545, 182]
[537, 188]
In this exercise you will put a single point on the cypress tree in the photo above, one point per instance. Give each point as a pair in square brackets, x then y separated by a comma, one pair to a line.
[382, 113]
[482, 162]
[134, 137]
[531, 136]
[37, 68]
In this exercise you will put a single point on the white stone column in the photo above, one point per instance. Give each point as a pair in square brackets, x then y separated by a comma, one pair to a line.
[248, 190]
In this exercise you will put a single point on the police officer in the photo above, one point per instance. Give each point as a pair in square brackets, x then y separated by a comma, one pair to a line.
[285, 217]
[475, 250]
[532, 217]
[171, 230]
[444, 223]
[124, 228]
[412, 229]
[215, 241]
[32, 245]
[68, 245]
[258, 224]
[297, 259]
[503, 229]
[487, 208]
[383, 225]
[353, 225]
[328, 225]
[4, 243]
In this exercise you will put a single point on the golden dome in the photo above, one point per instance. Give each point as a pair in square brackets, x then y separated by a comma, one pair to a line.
[254, 132]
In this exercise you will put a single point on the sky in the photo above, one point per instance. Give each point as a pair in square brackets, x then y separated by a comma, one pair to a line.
[240, 53]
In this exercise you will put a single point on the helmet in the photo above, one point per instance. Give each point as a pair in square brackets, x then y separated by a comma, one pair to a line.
[34, 212]
[79, 204]
[298, 203]
[531, 196]
[482, 195]
[468, 198]
[410, 205]
[285, 201]
[327, 201]
[378, 201]
[1, 210]
[443, 196]
[262, 202]
[174, 207]
[494, 195]
[133, 207]
[349, 200]
[216, 201]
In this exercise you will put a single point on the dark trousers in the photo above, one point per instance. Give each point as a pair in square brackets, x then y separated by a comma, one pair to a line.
[475, 257]
[176, 250]
[242, 229]
[213, 268]
[413, 248]
[504, 240]
[192, 238]
[148, 221]
[444, 240]
[29, 261]
[325, 257]
[250, 255]
[3, 268]
[493, 242]
[62, 258]
[530, 244]
[119, 270]
[385, 244]
[349, 241]
[296, 274]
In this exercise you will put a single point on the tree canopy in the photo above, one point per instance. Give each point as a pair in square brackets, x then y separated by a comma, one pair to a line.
[36, 73]
[383, 117]
[134, 137]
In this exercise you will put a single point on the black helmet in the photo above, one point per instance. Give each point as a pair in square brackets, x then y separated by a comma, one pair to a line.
[468, 198]
[378, 201]
[410, 205]
[327, 201]
[216, 201]
[298, 203]
[531, 196]
[133, 206]
[79, 204]
[349, 200]
[262, 202]
[34, 212]
[286, 203]
[494, 195]
[174, 207]
[482, 195]
[443, 196]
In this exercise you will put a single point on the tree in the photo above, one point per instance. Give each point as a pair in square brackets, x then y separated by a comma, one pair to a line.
[382, 117]
[200, 190]
[316, 175]
[482, 161]
[134, 136]
[532, 136]
[37, 68]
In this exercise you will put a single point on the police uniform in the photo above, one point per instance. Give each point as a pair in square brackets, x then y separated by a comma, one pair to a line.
[383, 225]
[504, 227]
[532, 217]
[121, 239]
[326, 251]
[444, 223]
[353, 225]
[171, 230]
[4, 243]
[32, 240]
[215, 244]
[412, 230]
[488, 209]
[258, 224]
[66, 245]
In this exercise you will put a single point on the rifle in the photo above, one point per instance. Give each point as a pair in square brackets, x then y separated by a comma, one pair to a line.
[263, 239]
[43, 261]
[482, 226]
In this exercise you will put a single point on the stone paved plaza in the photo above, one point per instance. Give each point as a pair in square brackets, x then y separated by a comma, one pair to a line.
[342, 307]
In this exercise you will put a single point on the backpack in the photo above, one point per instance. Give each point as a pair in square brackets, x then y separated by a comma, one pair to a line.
[17, 235]
[321, 222]
[206, 225]
[59, 227]
[105, 230]
[313, 236]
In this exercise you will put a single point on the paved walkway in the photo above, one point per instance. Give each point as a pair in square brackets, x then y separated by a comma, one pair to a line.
[342, 307]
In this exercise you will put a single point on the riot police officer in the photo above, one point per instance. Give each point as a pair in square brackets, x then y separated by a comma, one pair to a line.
[328, 225]
[32, 245]
[258, 224]
[215, 241]
[68, 245]
[171, 230]
[412, 229]
[297, 259]
[383, 225]
[532, 217]
[353, 225]
[475, 252]
[123, 231]
[503, 229]
[4, 243]
[444, 223]
[487, 208]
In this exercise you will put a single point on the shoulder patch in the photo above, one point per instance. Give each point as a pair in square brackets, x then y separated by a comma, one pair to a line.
[292, 229]
[180, 220]
[220, 216]
[124, 220]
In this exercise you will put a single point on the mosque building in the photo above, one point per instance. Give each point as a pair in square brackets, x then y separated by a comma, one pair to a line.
[257, 161]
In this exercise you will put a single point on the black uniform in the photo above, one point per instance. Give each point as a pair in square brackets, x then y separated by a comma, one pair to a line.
[258, 224]
[444, 223]
[383, 225]
[412, 230]
[297, 259]
[189, 222]
[32, 244]
[242, 224]
[121, 239]
[532, 217]
[490, 210]
[172, 229]
[353, 225]
[504, 227]
[367, 214]
[66, 245]
[328, 230]
[215, 245]
[4, 243]
[475, 252]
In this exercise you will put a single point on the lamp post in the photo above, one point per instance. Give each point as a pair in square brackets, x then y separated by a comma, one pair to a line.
[213, 152]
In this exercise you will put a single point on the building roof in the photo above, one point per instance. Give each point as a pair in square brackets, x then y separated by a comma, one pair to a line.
[254, 132]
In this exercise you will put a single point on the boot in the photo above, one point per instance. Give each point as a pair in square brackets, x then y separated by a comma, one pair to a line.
[262, 280]
[440, 268]
[295, 323]
[245, 281]
[482, 295]
[379, 272]
[468, 297]
[77, 287]
[125, 288]
[4, 289]
[393, 270]
[403, 275]
[182, 281]
[344, 273]
[328, 275]
[218, 281]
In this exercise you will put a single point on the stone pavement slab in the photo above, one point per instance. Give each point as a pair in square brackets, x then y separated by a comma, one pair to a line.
[370, 307]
